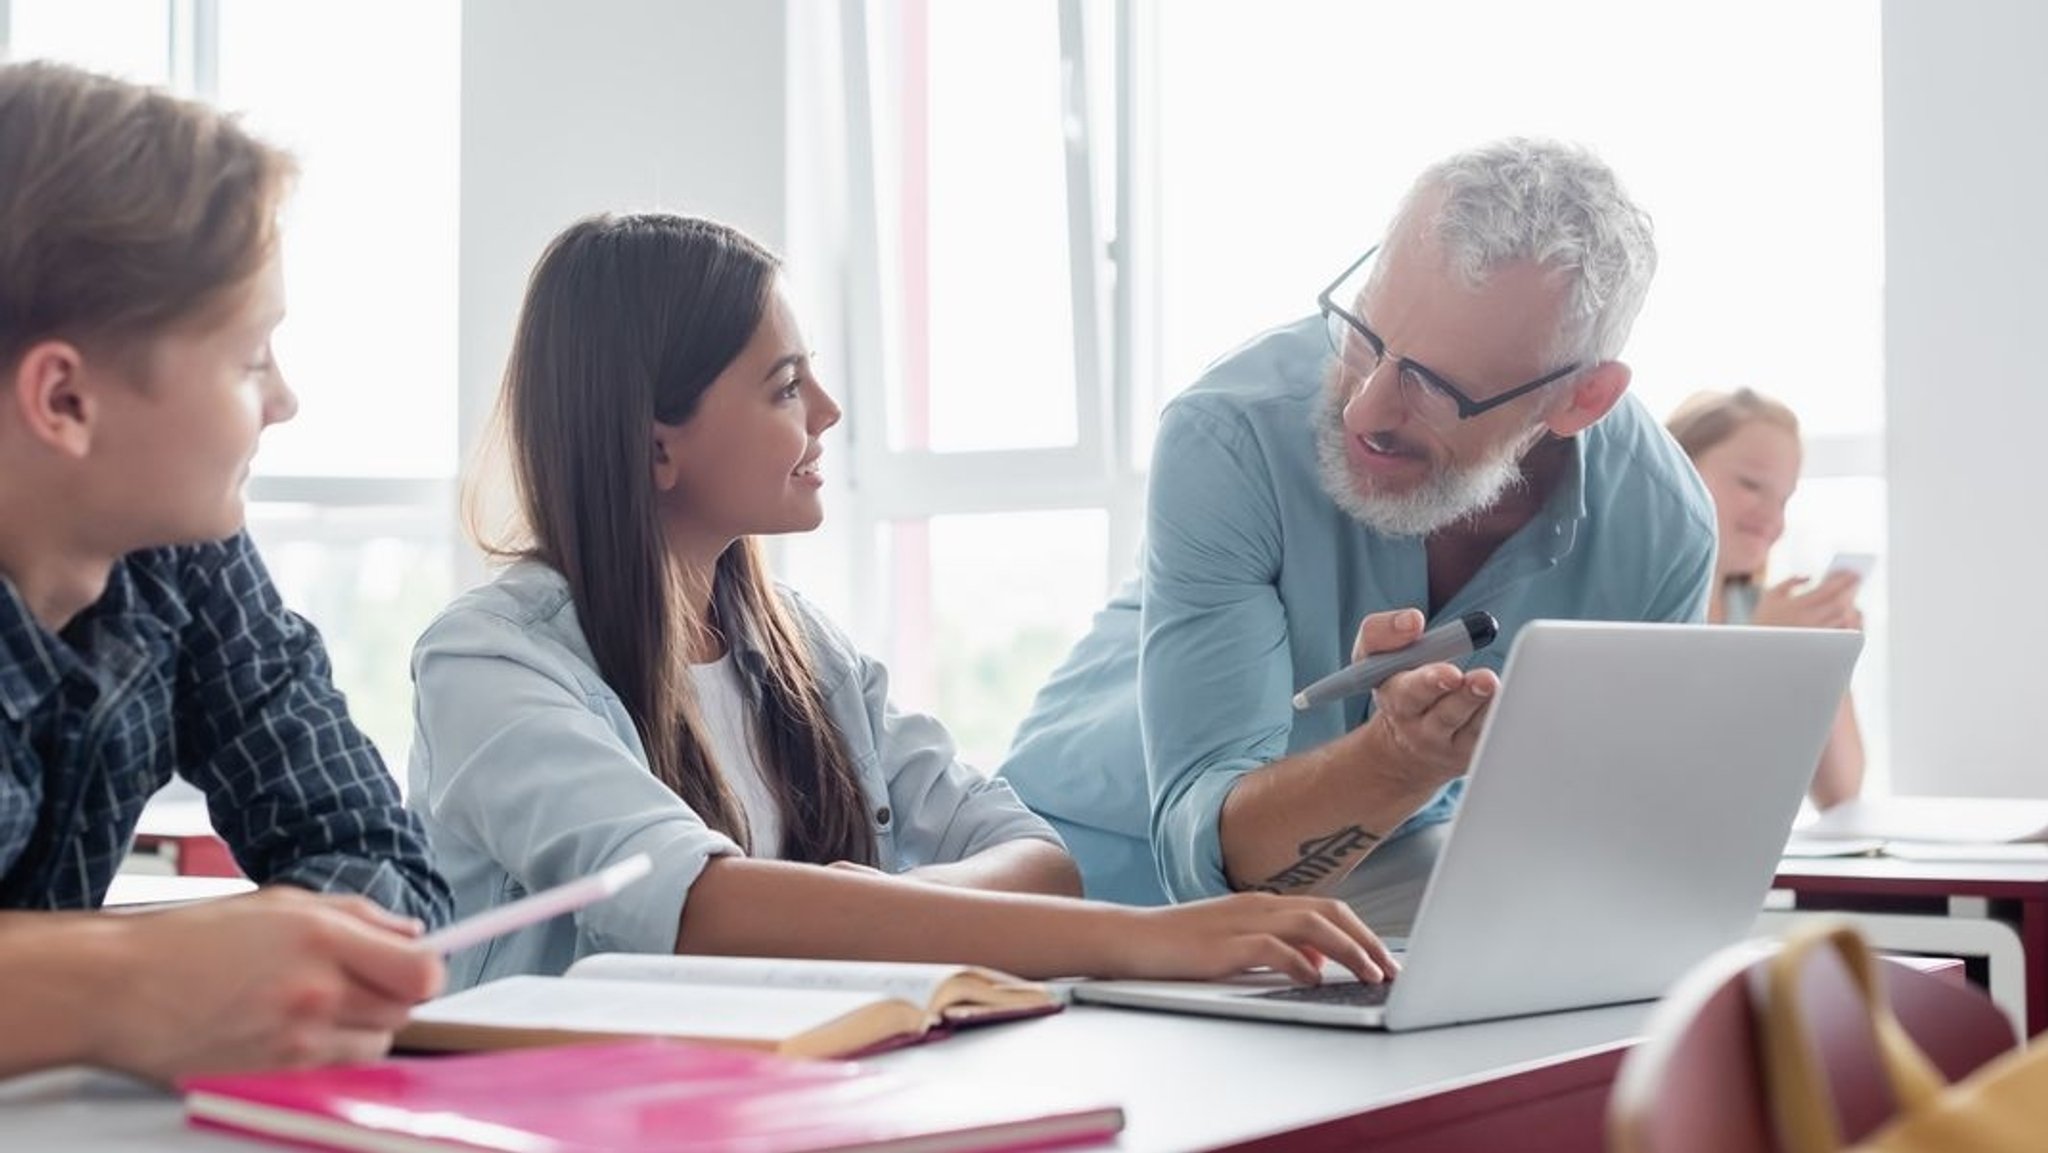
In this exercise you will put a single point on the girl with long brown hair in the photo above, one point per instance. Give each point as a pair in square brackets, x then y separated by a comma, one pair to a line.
[1746, 447]
[634, 681]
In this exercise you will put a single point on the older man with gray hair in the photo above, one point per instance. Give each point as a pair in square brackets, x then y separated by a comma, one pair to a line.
[1450, 433]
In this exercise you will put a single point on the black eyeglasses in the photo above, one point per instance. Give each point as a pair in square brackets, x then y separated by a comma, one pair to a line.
[1436, 400]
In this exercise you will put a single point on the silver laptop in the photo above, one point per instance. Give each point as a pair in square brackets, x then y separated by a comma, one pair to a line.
[1625, 808]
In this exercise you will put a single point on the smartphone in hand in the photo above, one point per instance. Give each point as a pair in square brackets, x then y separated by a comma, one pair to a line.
[1860, 563]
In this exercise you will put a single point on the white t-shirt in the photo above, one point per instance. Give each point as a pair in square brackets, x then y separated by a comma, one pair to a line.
[730, 728]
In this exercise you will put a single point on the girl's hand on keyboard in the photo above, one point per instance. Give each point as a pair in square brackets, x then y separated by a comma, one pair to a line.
[1224, 936]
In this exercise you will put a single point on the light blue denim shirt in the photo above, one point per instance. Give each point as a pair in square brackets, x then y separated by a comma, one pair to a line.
[1253, 583]
[529, 772]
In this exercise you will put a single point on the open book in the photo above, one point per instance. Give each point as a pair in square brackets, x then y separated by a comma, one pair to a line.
[641, 1097]
[1928, 829]
[798, 1008]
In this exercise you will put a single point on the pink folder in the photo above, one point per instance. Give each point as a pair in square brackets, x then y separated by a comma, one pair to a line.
[636, 1097]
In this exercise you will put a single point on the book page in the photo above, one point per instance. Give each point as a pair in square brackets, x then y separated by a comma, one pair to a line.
[915, 983]
[644, 1009]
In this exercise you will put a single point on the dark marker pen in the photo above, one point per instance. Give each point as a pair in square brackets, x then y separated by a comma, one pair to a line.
[1446, 642]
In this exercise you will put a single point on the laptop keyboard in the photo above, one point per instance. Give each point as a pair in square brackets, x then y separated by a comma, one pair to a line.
[1355, 993]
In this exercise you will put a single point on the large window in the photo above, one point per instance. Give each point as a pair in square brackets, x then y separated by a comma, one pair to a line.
[1150, 183]
[350, 503]
[1055, 213]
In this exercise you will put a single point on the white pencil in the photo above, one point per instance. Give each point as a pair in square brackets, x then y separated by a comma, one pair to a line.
[538, 907]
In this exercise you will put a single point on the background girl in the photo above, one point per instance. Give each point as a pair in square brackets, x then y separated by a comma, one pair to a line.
[1746, 448]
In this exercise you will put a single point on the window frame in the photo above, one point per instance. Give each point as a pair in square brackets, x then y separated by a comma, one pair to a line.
[891, 485]
[1115, 273]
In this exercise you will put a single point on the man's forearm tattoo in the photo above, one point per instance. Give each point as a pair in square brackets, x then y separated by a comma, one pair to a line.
[1320, 858]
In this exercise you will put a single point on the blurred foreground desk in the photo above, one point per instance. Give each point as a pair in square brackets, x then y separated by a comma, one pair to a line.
[1994, 910]
[1184, 1082]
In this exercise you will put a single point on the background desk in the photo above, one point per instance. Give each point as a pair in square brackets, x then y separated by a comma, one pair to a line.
[142, 890]
[1185, 1083]
[175, 826]
[1962, 901]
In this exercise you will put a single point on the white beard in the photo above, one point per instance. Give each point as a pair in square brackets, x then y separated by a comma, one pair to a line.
[1445, 497]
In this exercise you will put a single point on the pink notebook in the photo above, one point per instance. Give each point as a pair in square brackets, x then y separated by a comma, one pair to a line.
[635, 1097]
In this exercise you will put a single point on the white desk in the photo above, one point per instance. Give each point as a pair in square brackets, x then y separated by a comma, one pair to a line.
[139, 890]
[1185, 1082]
[175, 826]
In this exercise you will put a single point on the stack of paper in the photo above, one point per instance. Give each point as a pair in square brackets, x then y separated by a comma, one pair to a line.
[1928, 829]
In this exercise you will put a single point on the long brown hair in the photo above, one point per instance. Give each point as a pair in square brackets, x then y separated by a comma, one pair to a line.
[124, 211]
[1705, 419]
[627, 321]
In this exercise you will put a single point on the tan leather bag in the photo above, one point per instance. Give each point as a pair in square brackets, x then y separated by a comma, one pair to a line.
[2001, 1108]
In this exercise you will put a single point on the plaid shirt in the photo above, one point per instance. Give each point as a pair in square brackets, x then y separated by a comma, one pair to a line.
[190, 664]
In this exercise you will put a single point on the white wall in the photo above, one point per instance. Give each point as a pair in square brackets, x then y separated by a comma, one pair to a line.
[1966, 235]
[575, 108]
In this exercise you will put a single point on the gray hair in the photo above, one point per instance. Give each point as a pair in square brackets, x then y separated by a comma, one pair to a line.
[1557, 205]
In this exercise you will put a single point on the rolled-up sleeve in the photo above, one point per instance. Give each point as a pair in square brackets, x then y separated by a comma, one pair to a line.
[1213, 668]
[523, 761]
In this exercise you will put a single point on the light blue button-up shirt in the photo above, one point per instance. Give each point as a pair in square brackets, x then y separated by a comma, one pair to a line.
[1253, 583]
[529, 773]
